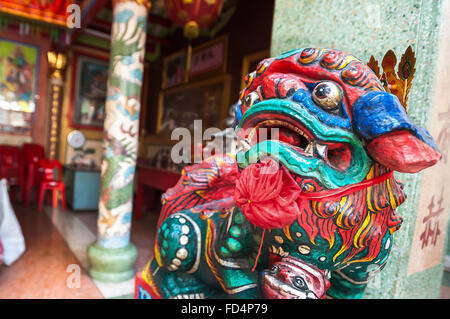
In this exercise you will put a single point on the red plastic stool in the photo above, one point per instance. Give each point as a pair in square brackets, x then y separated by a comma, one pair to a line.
[32, 153]
[12, 168]
[50, 183]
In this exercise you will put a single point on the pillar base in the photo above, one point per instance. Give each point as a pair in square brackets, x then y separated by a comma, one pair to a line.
[112, 265]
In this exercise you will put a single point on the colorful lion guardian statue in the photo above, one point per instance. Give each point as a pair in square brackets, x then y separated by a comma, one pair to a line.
[306, 210]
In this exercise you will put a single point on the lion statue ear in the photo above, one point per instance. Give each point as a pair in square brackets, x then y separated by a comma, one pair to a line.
[392, 139]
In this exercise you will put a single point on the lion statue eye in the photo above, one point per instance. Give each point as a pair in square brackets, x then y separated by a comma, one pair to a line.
[274, 269]
[251, 99]
[327, 94]
[299, 283]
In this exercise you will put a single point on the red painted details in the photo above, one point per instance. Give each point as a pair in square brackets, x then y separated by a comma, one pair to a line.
[403, 152]
[360, 213]
[143, 290]
[339, 155]
[311, 66]
[290, 278]
[213, 179]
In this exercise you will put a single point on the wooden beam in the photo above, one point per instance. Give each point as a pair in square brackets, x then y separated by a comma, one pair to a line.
[160, 20]
[155, 38]
[101, 25]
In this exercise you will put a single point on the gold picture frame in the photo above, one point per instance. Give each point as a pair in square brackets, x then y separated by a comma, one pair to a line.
[249, 63]
[208, 59]
[212, 57]
[207, 100]
[174, 68]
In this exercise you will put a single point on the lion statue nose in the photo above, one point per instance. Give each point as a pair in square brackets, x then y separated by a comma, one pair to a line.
[392, 139]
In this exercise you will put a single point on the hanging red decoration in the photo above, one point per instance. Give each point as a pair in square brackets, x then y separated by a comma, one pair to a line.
[193, 15]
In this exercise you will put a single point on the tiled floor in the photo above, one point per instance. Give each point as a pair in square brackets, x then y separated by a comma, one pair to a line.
[142, 233]
[55, 240]
[41, 272]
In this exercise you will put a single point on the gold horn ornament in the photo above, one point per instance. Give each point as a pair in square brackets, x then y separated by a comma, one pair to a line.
[396, 82]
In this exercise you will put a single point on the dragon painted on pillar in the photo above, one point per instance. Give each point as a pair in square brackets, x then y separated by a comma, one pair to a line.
[121, 124]
[308, 212]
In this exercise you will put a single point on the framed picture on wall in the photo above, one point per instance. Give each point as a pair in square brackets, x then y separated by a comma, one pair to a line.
[250, 62]
[205, 100]
[210, 57]
[207, 59]
[90, 75]
[19, 65]
[174, 67]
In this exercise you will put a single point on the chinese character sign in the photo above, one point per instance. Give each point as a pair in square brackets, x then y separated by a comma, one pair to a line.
[434, 203]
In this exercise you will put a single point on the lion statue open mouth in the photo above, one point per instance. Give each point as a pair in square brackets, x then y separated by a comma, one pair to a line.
[305, 210]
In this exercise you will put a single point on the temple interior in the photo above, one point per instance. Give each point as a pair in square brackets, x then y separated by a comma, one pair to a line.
[89, 89]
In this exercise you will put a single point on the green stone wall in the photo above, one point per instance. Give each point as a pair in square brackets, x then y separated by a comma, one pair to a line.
[446, 276]
[365, 28]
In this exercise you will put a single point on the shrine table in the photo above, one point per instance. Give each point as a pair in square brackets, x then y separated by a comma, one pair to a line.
[155, 179]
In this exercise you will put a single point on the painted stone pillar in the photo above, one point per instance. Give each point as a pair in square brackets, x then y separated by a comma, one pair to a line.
[372, 27]
[113, 256]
